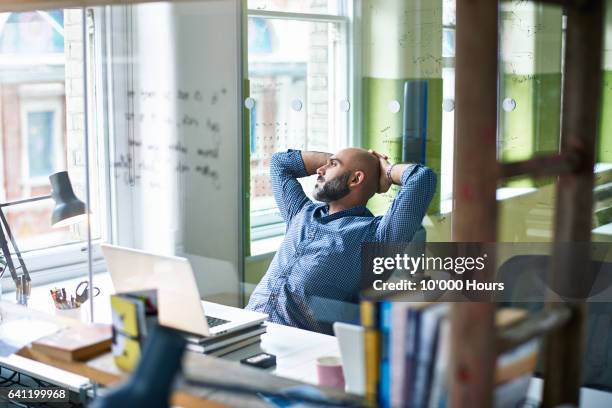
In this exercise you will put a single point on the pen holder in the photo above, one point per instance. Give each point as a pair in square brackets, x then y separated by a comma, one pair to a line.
[72, 313]
[80, 312]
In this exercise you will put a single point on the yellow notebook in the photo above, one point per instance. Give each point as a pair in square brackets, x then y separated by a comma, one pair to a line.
[128, 314]
[125, 315]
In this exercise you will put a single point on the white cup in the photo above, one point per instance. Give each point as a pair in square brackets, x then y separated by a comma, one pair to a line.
[75, 313]
[329, 372]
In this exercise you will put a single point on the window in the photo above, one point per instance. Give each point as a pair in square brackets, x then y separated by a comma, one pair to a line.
[42, 130]
[298, 75]
[42, 136]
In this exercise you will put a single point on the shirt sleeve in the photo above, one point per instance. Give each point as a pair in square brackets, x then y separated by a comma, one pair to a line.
[408, 208]
[285, 169]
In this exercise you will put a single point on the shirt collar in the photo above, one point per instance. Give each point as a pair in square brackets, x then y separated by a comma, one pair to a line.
[321, 213]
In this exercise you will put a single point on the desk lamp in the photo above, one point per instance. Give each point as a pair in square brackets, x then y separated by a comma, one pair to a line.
[68, 210]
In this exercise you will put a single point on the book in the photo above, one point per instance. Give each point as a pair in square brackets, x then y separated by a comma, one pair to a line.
[76, 343]
[404, 350]
[412, 349]
[242, 333]
[438, 395]
[134, 314]
[233, 347]
[384, 398]
[509, 316]
[517, 362]
[415, 347]
[407, 349]
[513, 393]
[210, 348]
[399, 318]
[425, 359]
[126, 351]
[127, 315]
[371, 341]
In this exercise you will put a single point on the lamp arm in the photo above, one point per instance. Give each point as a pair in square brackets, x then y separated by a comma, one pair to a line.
[4, 244]
[25, 200]
[7, 253]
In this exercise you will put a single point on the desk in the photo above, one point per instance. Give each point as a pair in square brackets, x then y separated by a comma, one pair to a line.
[296, 351]
[102, 370]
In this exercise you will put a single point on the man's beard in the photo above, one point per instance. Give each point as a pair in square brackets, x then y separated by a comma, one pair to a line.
[333, 189]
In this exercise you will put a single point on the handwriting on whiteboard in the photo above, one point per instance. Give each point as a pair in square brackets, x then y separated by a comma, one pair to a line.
[193, 147]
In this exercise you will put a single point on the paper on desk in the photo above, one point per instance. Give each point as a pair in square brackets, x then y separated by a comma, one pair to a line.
[15, 334]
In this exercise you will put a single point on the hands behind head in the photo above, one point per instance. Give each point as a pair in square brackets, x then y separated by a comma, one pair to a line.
[383, 182]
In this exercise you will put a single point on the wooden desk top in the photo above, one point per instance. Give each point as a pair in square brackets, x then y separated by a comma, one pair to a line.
[102, 370]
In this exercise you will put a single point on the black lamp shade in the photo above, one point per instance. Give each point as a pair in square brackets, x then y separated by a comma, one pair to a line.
[67, 205]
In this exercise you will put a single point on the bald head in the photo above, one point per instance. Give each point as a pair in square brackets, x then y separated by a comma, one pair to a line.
[356, 159]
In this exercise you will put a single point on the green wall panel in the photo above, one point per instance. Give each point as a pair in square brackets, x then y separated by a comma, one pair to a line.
[604, 148]
[382, 129]
[547, 113]
[533, 128]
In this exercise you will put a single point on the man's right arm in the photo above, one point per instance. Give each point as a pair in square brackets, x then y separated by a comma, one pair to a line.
[285, 169]
[314, 160]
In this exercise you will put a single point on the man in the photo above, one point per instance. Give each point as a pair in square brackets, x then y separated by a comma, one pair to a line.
[315, 274]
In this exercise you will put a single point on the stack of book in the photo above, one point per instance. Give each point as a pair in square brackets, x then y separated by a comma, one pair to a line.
[224, 344]
[77, 343]
[407, 347]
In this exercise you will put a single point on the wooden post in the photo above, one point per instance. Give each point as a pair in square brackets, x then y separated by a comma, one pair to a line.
[475, 208]
[574, 200]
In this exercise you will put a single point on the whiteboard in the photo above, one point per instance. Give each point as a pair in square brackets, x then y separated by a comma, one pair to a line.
[174, 79]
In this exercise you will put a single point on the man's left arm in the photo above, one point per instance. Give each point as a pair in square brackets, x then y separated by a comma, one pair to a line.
[404, 217]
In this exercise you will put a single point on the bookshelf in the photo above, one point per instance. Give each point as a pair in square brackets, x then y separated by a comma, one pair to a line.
[475, 344]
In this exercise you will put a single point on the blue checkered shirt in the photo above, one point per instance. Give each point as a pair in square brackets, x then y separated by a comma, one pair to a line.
[315, 274]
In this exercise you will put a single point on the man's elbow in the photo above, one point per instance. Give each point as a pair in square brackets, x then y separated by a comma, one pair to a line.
[279, 164]
[428, 181]
[277, 159]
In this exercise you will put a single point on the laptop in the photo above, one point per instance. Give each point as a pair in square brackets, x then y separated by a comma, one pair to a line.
[178, 297]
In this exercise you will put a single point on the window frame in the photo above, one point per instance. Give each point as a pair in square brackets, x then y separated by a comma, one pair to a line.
[447, 162]
[268, 223]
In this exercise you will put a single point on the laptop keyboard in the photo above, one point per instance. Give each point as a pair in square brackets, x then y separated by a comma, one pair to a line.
[215, 321]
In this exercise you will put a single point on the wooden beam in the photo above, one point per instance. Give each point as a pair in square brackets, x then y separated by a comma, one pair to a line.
[475, 212]
[574, 199]
[30, 5]
[552, 165]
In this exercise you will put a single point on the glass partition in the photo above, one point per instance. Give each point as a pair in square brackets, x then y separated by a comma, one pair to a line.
[189, 100]
[170, 82]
